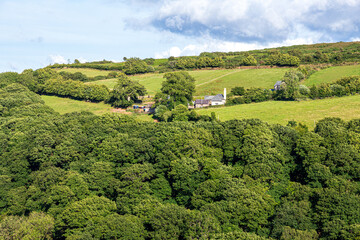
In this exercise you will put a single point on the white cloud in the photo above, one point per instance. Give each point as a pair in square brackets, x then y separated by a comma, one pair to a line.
[261, 20]
[82, 60]
[174, 22]
[57, 59]
[173, 51]
[344, 25]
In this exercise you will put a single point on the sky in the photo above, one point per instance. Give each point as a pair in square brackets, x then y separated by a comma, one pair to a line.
[36, 33]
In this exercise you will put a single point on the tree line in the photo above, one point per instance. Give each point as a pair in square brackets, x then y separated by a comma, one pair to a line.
[82, 176]
[48, 81]
[78, 76]
[335, 53]
[130, 66]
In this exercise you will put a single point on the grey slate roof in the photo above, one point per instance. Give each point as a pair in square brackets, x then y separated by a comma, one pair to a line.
[208, 97]
[278, 83]
[218, 97]
[202, 101]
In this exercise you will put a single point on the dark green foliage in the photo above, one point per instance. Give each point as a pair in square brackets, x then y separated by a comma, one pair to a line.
[339, 88]
[125, 92]
[81, 176]
[334, 53]
[250, 95]
[178, 88]
[79, 215]
[8, 78]
[74, 76]
[238, 91]
[289, 89]
[174, 222]
[16, 96]
[35, 226]
[136, 65]
[249, 61]
[279, 59]
[75, 89]
[180, 113]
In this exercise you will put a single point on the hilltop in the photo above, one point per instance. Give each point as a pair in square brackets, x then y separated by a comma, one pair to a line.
[334, 53]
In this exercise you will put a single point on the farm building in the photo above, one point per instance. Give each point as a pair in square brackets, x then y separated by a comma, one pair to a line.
[219, 99]
[149, 108]
[200, 103]
[277, 85]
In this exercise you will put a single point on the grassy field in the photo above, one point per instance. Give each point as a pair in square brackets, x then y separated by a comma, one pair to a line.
[331, 74]
[306, 112]
[110, 83]
[66, 105]
[151, 81]
[247, 78]
[87, 71]
[211, 81]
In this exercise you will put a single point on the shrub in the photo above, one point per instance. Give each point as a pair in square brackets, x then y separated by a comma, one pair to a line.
[304, 90]
[337, 90]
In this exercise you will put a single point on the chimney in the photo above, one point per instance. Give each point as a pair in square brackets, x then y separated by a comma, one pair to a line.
[225, 93]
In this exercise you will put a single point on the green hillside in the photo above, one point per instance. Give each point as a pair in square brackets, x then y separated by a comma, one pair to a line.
[307, 112]
[87, 71]
[214, 81]
[331, 74]
[151, 81]
[247, 78]
[67, 105]
[323, 53]
[209, 81]
[273, 111]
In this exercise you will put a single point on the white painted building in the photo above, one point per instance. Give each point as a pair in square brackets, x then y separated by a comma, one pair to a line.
[219, 99]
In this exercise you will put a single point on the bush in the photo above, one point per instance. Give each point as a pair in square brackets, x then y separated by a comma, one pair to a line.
[337, 90]
[304, 90]
[75, 89]
[238, 91]
[249, 61]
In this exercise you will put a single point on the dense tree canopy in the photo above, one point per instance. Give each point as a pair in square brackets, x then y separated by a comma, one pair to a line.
[82, 176]
[126, 92]
[178, 88]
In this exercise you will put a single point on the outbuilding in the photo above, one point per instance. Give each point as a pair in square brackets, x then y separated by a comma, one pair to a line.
[277, 85]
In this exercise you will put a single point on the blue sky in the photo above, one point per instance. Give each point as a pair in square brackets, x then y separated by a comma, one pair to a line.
[36, 33]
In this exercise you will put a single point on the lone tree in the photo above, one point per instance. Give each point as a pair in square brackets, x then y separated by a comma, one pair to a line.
[126, 92]
[178, 88]
[289, 89]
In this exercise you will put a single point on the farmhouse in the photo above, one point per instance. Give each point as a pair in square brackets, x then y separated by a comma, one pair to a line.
[219, 99]
[200, 103]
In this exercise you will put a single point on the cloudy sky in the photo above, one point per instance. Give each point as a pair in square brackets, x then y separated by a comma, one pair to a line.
[36, 33]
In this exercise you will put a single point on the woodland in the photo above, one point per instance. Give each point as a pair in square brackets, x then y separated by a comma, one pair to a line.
[82, 176]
